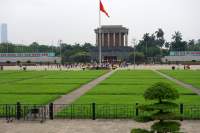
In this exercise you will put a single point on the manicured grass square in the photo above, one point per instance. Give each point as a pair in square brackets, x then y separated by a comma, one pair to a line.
[39, 87]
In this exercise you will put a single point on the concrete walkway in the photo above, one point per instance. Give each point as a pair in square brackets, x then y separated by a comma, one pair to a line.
[188, 86]
[71, 97]
[86, 126]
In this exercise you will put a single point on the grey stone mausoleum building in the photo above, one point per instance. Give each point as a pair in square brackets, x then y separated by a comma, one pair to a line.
[114, 43]
[112, 36]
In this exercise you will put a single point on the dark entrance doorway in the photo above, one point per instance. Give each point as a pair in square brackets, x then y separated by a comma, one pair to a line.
[110, 59]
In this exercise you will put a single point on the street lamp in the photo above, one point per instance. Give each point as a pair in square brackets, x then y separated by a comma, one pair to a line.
[134, 42]
[60, 43]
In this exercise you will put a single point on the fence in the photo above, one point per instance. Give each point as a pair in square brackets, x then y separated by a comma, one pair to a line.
[85, 111]
[27, 112]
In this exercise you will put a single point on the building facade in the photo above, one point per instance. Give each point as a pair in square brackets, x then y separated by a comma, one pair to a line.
[111, 54]
[182, 56]
[4, 32]
[112, 36]
[29, 57]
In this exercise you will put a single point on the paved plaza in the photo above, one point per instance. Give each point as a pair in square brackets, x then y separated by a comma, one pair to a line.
[85, 126]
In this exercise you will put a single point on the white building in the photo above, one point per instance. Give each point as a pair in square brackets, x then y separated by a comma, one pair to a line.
[182, 56]
[29, 57]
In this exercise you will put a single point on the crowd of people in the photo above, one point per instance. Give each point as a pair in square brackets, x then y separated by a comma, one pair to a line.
[96, 66]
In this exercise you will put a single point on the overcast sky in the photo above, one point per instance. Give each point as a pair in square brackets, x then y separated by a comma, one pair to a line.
[74, 21]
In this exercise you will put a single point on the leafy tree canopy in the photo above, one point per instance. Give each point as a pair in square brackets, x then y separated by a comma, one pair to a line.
[139, 57]
[161, 90]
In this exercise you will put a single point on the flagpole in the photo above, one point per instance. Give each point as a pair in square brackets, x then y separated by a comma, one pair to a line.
[99, 34]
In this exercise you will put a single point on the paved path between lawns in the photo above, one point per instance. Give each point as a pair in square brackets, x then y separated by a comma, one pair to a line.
[86, 126]
[71, 97]
[194, 89]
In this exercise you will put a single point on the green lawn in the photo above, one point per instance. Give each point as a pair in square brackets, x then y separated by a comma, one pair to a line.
[127, 87]
[40, 87]
[122, 90]
[131, 99]
[188, 76]
[26, 99]
[116, 97]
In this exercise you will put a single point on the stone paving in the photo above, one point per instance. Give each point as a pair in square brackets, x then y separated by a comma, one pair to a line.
[85, 126]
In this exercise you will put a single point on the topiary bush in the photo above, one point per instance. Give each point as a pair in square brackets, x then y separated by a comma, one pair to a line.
[143, 119]
[161, 91]
[161, 111]
[166, 127]
[138, 130]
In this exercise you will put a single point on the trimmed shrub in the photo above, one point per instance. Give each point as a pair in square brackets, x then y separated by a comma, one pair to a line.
[163, 93]
[166, 127]
[143, 119]
[138, 130]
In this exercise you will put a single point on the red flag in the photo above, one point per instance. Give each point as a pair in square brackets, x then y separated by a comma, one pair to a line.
[103, 9]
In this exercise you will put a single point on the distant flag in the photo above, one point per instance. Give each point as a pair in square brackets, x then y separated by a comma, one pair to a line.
[102, 9]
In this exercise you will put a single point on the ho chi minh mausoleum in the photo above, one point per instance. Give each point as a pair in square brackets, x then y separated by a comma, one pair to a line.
[112, 36]
[114, 42]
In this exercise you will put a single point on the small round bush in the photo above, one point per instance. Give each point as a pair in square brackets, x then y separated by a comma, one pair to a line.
[143, 119]
[166, 126]
[138, 130]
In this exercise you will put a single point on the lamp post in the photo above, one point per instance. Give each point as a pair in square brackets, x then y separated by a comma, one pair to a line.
[60, 43]
[52, 46]
[134, 42]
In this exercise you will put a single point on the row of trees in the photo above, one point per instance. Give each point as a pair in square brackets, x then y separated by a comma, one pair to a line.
[69, 53]
[151, 45]
[155, 45]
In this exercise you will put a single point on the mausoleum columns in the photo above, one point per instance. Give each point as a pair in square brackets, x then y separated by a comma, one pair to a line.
[108, 39]
[117, 39]
[112, 36]
[126, 39]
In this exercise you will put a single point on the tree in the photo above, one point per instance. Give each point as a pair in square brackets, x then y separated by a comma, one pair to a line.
[160, 38]
[87, 47]
[177, 37]
[151, 44]
[163, 93]
[82, 57]
[167, 45]
[177, 44]
[194, 45]
[139, 57]
[34, 44]
[160, 33]
[28, 61]
[18, 62]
